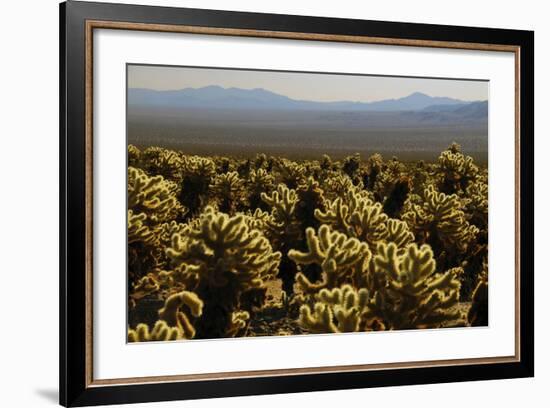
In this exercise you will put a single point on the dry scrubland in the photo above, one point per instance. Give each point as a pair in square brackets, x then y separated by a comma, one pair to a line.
[227, 247]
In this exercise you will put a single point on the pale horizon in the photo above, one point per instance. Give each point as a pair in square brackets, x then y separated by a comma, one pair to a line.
[319, 87]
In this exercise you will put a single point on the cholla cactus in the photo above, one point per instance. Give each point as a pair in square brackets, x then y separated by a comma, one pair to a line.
[163, 162]
[161, 332]
[406, 292]
[338, 310]
[310, 199]
[358, 216]
[351, 165]
[284, 230]
[259, 182]
[283, 203]
[326, 163]
[244, 167]
[260, 161]
[477, 206]
[337, 185]
[173, 323]
[358, 240]
[478, 314]
[239, 322]
[398, 232]
[144, 287]
[341, 258]
[224, 164]
[134, 156]
[143, 247]
[374, 166]
[312, 169]
[258, 220]
[220, 260]
[225, 249]
[151, 203]
[153, 196]
[196, 179]
[173, 315]
[166, 231]
[441, 221]
[291, 173]
[139, 231]
[392, 173]
[457, 170]
[228, 190]
[420, 176]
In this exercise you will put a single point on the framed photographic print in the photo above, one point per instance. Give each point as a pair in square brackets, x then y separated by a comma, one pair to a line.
[256, 203]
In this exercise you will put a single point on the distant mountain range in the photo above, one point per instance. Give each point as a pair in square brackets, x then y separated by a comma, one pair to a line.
[217, 97]
[232, 121]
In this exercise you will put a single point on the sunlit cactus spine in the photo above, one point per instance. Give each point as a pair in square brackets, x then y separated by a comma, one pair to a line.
[259, 182]
[173, 315]
[341, 258]
[398, 232]
[143, 247]
[151, 202]
[310, 199]
[220, 260]
[173, 323]
[260, 161]
[144, 287]
[227, 188]
[393, 173]
[160, 332]
[357, 216]
[312, 168]
[477, 206]
[374, 166]
[326, 163]
[336, 185]
[139, 230]
[457, 170]
[290, 173]
[153, 196]
[441, 222]
[337, 310]
[224, 165]
[134, 156]
[406, 291]
[162, 162]
[284, 230]
[238, 323]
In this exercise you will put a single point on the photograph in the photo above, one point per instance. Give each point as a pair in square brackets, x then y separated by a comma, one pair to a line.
[277, 203]
[312, 201]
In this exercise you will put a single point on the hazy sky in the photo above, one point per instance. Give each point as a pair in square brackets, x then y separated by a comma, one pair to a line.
[314, 87]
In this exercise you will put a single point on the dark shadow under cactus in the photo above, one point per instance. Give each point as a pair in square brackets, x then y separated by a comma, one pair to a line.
[287, 274]
[393, 204]
[193, 193]
[145, 311]
[219, 303]
[478, 315]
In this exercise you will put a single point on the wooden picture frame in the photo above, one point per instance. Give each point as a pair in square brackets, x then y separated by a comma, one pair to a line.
[78, 20]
